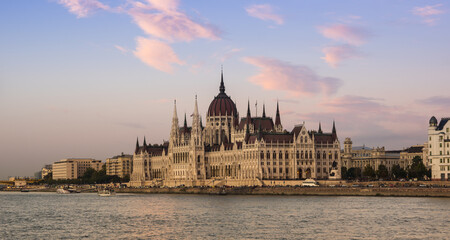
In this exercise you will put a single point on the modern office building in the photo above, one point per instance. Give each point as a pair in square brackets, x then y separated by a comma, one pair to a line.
[72, 168]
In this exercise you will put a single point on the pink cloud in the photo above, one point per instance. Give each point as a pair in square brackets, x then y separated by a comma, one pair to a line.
[163, 20]
[335, 54]
[156, 54]
[428, 10]
[83, 8]
[121, 49]
[296, 79]
[348, 34]
[264, 12]
[428, 13]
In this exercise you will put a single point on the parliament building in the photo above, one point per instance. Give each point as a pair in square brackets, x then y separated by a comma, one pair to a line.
[235, 151]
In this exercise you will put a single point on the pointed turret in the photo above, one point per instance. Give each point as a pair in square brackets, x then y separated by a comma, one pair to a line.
[264, 110]
[249, 116]
[174, 130]
[333, 132]
[145, 143]
[222, 85]
[185, 122]
[137, 146]
[196, 132]
[320, 128]
[277, 118]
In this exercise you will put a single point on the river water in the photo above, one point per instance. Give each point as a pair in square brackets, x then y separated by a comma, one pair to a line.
[172, 216]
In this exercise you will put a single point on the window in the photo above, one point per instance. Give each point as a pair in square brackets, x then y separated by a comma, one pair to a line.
[286, 155]
[268, 155]
[281, 170]
[274, 155]
[287, 170]
[447, 129]
[280, 155]
[318, 170]
[324, 170]
[274, 170]
[318, 155]
[262, 155]
[297, 155]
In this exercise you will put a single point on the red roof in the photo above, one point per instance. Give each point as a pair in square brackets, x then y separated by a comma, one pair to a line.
[222, 105]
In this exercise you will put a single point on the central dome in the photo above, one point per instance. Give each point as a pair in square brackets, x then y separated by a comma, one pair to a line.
[222, 104]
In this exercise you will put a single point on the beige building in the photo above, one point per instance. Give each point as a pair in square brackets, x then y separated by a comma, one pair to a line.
[120, 165]
[72, 168]
[361, 156]
[408, 154]
[235, 151]
[439, 148]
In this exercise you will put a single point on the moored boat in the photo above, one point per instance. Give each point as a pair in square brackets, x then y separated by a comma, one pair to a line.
[106, 192]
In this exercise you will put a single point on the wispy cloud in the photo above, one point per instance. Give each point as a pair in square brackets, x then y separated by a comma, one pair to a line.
[156, 54]
[163, 20]
[335, 54]
[440, 103]
[295, 79]
[428, 13]
[264, 12]
[121, 49]
[348, 34]
[83, 8]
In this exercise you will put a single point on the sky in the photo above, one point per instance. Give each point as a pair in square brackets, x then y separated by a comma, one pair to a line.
[85, 78]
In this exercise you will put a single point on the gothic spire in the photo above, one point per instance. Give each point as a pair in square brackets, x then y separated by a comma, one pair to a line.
[264, 110]
[185, 122]
[137, 145]
[278, 119]
[248, 109]
[334, 130]
[222, 86]
[320, 128]
[145, 143]
[175, 116]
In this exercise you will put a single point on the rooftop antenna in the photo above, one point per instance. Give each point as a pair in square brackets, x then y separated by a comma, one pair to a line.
[256, 108]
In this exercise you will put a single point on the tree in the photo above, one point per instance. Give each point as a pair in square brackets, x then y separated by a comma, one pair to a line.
[382, 172]
[417, 169]
[354, 173]
[344, 173]
[369, 172]
[398, 172]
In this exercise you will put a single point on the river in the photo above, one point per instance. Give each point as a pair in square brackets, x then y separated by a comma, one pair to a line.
[175, 216]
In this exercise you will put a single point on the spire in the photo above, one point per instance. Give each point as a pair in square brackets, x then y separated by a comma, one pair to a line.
[222, 86]
[249, 116]
[185, 122]
[137, 145]
[145, 143]
[196, 106]
[278, 119]
[333, 133]
[264, 110]
[201, 124]
[320, 128]
[175, 116]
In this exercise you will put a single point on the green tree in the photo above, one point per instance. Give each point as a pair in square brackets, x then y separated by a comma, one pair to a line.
[354, 173]
[382, 172]
[398, 172]
[417, 169]
[369, 172]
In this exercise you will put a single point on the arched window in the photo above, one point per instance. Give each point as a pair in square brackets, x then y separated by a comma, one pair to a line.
[274, 155]
[302, 154]
[324, 170]
[286, 155]
[318, 155]
[301, 139]
[280, 155]
[262, 155]
[324, 155]
[336, 155]
[310, 154]
[268, 155]
[297, 155]
[318, 170]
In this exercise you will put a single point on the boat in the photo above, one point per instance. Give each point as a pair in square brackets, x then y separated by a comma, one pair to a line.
[62, 191]
[309, 183]
[106, 192]
[24, 190]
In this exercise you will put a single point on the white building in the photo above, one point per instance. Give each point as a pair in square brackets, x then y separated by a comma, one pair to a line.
[72, 168]
[439, 148]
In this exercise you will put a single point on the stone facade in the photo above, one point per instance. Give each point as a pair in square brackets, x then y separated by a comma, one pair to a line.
[120, 165]
[408, 154]
[235, 151]
[72, 168]
[361, 156]
[439, 148]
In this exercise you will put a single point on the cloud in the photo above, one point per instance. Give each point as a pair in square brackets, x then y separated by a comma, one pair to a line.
[295, 79]
[371, 121]
[335, 54]
[428, 13]
[439, 102]
[83, 8]
[344, 33]
[156, 54]
[264, 12]
[162, 19]
[121, 49]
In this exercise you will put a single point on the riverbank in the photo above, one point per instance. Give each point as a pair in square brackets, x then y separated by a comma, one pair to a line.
[314, 191]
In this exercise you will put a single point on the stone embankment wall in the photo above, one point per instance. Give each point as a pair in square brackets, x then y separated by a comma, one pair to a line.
[314, 191]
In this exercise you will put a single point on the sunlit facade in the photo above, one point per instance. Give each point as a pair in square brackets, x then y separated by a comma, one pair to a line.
[235, 151]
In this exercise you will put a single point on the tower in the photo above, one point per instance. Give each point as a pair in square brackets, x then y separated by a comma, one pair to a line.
[278, 126]
[174, 132]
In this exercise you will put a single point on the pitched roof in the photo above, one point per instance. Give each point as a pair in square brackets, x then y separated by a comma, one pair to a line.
[442, 123]
[266, 123]
[272, 137]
